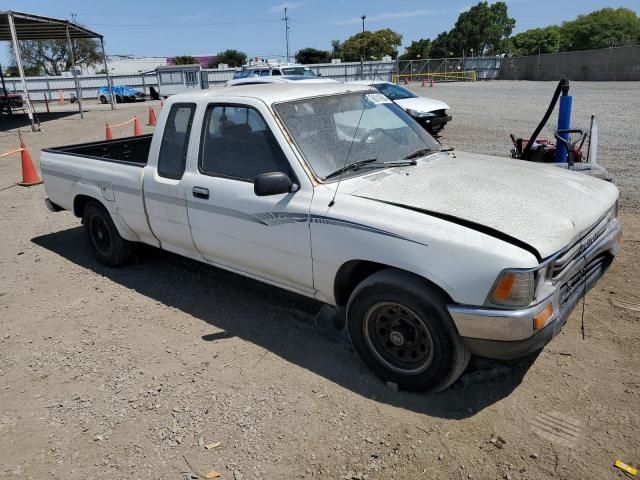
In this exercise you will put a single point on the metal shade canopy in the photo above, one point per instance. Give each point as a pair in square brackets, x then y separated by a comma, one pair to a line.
[35, 27]
[15, 26]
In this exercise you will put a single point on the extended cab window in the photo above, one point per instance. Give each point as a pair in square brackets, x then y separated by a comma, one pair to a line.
[175, 141]
[237, 143]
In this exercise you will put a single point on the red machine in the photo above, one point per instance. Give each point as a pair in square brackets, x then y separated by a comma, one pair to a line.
[544, 151]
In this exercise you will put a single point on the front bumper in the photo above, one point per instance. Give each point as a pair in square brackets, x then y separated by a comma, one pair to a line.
[505, 334]
[434, 123]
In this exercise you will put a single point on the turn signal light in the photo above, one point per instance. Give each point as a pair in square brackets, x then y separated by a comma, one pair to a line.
[541, 319]
[503, 289]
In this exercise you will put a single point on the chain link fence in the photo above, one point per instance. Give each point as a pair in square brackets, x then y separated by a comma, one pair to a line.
[50, 88]
[449, 69]
[606, 64]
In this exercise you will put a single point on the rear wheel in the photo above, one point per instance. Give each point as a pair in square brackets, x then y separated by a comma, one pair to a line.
[118, 98]
[400, 327]
[107, 244]
[103, 99]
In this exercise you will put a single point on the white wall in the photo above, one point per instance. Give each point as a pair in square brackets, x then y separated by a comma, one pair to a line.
[123, 65]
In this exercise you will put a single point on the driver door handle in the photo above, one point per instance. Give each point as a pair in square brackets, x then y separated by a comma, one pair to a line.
[201, 192]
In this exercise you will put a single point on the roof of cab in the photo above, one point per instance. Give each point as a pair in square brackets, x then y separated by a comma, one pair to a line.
[274, 92]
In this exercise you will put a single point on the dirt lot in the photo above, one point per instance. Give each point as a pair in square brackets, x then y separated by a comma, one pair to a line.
[131, 373]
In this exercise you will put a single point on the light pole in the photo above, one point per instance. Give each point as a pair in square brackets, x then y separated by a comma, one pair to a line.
[286, 31]
[363, 51]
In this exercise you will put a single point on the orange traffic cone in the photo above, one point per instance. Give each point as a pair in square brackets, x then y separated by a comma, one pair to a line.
[29, 174]
[108, 134]
[152, 118]
[60, 97]
[137, 129]
[431, 82]
[424, 83]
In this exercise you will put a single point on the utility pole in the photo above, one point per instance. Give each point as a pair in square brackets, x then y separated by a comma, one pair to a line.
[363, 49]
[74, 16]
[286, 30]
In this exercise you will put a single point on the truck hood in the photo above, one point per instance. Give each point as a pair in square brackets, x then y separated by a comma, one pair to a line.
[542, 206]
[421, 104]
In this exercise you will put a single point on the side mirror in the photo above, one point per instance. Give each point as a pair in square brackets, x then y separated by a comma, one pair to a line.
[273, 183]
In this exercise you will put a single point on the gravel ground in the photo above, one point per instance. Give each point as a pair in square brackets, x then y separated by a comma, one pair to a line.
[131, 373]
[485, 113]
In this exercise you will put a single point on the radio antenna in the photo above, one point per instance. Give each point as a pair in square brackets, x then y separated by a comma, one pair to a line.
[364, 106]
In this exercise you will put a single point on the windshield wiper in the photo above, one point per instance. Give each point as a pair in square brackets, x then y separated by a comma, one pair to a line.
[369, 163]
[420, 153]
[351, 166]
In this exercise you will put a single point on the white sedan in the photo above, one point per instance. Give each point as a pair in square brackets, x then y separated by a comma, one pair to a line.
[432, 114]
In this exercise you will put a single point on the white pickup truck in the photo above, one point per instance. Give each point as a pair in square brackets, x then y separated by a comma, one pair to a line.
[334, 192]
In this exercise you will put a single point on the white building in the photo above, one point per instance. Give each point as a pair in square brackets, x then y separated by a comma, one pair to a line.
[128, 64]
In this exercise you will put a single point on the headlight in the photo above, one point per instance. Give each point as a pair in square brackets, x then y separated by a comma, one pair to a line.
[419, 114]
[513, 288]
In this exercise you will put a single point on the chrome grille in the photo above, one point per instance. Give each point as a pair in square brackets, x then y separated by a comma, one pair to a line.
[567, 258]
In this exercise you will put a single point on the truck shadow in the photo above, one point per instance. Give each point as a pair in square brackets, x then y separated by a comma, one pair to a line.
[282, 323]
[21, 120]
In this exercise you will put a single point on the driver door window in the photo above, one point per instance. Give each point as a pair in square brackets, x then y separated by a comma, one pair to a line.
[238, 144]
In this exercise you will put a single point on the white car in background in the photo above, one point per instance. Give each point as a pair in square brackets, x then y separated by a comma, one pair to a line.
[268, 69]
[432, 114]
[277, 79]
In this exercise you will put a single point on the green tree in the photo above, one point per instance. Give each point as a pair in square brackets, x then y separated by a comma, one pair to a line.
[483, 27]
[600, 29]
[336, 49]
[441, 46]
[185, 60]
[374, 45]
[536, 40]
[418, 49]
[312, 55]
[233, 58]
[12, 71]
[54, 56]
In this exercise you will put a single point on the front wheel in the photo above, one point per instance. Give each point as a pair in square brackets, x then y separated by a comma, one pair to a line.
[400, 327]
[103, 99]
[108, 246]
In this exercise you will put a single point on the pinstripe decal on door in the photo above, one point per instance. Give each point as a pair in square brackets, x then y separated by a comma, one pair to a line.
[269, 219]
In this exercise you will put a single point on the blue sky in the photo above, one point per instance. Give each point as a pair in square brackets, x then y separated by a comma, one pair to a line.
[163, 28]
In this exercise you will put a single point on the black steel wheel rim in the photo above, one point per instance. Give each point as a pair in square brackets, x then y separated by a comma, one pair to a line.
[398, 338]
[100, 234]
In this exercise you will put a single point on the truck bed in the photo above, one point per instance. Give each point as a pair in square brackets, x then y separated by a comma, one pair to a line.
[129, 150]
[108, 171]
